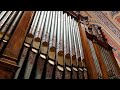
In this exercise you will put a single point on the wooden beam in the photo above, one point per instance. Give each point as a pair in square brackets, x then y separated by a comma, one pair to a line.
[88, 57]
[71, 13]
[100, 60]
[8, 65]
[15, 43]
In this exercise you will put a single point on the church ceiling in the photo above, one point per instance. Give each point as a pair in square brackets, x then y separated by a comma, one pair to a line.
[108, 23]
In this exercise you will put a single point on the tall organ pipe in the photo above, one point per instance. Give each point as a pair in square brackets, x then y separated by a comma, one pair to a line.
[2, 14]
[7, 24]
[66, 49]
[74, 59]
[46, 34]
[52, 40]
[34, 24]
[39, 30]
[78, 54]
[67, 55]
[80, 44]
[31, 32]
[13, 25]
[60, 53]
[3, 20]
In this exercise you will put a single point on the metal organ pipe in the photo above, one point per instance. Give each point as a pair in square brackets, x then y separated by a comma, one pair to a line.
[59, 51]
[52, 40]
[7, 28]
[67, 55]
[74, 60]
[5, 18]
[66, 49]
[34, 24]
[45, 36]
[39, 30]
[2, 14]
[13, 25]
[32, 30]
[78, 54]
[7, 24]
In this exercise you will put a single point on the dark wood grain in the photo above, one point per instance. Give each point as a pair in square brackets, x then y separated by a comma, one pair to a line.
[17, 39]
[88, 57]
[100, 60]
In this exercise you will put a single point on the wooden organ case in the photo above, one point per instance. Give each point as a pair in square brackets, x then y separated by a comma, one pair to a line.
[53, 45]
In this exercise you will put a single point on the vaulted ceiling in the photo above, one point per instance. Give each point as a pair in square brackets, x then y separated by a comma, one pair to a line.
[110, 23]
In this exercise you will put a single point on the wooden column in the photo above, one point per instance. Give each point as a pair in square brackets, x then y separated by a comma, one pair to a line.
[88, 56]
[8, 64]
[114, 61]
[100, 60]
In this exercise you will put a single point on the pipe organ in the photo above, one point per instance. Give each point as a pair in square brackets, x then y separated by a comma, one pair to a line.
[53, 45]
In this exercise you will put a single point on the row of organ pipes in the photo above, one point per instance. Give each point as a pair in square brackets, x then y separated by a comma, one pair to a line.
[53, 47]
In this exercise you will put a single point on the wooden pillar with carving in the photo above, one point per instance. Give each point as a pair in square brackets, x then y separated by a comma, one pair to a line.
[100, 60]
[92, 74]
[8, 65]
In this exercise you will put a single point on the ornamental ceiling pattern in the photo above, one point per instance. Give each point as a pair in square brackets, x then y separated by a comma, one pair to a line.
[108, 23]
[113, 13]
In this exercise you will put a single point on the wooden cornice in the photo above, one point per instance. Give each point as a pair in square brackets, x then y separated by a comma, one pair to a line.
[92, 37]
[73, 14]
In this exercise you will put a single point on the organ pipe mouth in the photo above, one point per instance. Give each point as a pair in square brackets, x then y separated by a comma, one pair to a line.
[67, 56]
[74, 62]
[44, 47]
[51, 53]
[37, 39]
[60, 60]
[7, 36]
[30, 35]
[68, 68]
[75, 69]
[34, 50]
[79, 61]
[28, 40]
[60, 57]
[80, 69]
[85, 69]
[51, 62]
[42, 56]
[68, 63]
[1, 34]
[60, 68]
[5, 41]
[27, 45]
[35, 44]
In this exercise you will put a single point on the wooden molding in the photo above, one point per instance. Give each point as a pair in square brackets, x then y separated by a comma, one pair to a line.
[88, 57]
[17, 39]
[8, 65]
[100, 60]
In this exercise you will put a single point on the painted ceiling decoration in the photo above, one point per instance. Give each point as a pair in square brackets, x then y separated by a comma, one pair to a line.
[113, 13]
[108, 23]
[117, 20]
